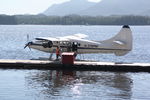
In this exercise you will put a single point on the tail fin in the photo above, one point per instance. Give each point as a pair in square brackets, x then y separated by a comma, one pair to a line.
[122, 41]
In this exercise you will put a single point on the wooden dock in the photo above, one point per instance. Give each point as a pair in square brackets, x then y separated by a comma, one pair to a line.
[78, 65]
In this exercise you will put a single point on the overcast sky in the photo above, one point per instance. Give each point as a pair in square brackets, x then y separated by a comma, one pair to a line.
[12, 7]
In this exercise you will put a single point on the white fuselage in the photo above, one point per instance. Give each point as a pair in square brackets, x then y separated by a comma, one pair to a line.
[83, 46]
[120, 44]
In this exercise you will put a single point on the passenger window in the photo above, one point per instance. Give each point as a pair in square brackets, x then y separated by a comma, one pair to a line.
[79, 44]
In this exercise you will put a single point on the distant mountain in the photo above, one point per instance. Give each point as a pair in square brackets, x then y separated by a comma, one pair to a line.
[103, 8]
[118, 7]
[70, 7]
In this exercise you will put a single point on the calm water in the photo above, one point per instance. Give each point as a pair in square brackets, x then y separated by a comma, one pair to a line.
[13, 39]
[72, 85]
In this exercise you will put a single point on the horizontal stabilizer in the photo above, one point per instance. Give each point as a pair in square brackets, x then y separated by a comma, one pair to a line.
[119, 42]
[121, 53]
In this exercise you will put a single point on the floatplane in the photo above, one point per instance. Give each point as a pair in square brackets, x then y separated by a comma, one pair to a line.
[119, 45]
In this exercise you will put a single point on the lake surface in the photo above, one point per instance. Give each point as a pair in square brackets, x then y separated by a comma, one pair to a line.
[72, 85]
[14, 38]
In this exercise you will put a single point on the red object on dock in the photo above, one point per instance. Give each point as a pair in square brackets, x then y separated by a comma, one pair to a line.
[68, 58]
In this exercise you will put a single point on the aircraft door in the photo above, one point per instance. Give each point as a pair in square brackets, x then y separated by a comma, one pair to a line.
[48, 44]
[74, 46]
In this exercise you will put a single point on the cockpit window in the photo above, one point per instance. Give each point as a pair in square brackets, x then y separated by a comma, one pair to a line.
[64, 43]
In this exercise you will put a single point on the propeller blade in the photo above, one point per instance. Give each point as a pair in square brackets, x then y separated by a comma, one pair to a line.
[29, 48]
[27, 37]
[28, 45]
[25, 46]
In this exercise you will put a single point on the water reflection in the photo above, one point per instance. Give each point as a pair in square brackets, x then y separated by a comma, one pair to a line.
[80, 84]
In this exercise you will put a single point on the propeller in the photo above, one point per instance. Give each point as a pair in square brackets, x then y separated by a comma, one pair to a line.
[28, 43]
[27, 38]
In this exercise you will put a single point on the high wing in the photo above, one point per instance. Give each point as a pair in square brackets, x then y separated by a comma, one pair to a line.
[64, 38]
[46, 38]
[75, 36]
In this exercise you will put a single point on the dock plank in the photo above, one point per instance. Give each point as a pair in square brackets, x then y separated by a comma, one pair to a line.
[78, 65]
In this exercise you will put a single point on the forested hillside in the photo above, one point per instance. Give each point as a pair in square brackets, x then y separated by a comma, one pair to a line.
[73, 20]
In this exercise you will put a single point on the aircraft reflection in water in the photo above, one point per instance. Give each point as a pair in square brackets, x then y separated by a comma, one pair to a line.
[75, 83]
